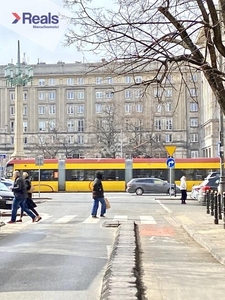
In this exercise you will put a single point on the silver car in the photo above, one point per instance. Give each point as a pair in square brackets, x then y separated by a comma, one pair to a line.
[150, 185]
[6, 197]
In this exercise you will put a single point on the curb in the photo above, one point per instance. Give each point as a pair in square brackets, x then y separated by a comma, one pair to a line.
[209, 246]
[120, 279]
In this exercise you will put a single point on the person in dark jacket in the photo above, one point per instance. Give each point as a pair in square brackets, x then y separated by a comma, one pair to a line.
[98, 196]
[29, 202]
[20, 195]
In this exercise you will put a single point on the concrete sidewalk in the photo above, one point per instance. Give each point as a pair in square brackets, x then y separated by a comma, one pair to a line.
[200, 226]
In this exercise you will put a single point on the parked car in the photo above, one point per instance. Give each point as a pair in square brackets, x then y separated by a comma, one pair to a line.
[8, 182]
[211, 183]
[195, 191]
[6, 197]
[150, 185]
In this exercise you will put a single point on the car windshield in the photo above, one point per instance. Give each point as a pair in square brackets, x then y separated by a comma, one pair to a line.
[3, 187]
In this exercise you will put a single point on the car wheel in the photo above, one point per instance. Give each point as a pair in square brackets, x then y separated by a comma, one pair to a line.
[139, 191]
[172, 191]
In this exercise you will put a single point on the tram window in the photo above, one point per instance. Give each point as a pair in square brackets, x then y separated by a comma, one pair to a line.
[45, 175]
[89, 175]
[192, 174]
[144, 173]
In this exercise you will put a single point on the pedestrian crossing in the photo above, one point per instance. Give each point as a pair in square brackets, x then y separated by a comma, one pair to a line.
[69, 219]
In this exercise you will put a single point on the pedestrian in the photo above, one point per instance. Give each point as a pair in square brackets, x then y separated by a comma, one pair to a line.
[98, 196]
[20, 195]
[183, 189]
[29, 202]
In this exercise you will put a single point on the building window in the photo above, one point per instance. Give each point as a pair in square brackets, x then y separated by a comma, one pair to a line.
[139, 108]
[138, 93]
[41, 96]
[169, 138]
[158, 137]
[193, 92]
[70, 125]
[109, 95]
[25, 140]
[128, 94]
[52, 109]
[194, 122]
[169, 124]
[51, 81]
[193, 106]
[99, 80]
[138, 79]
[70, 95]
[11, 126]
[194, 77]
[41, 82]
[12, 96]
[194, 153]
[128, 107]
[168, 106]
[80, 80]
[24, 110]
[70, 139]
[25, 126]
[158, 108]
[80, 139]
[98, 108]
[12, 110]
[157, 92]
[51, 125]
[80, 125]
[42, 125]
[52, 96]
[168, 79]
[80, 95]
[41, 109]
[98, 95]
[25, 96]
[128, 79]
[158, 125]
[70, 81]
[168, 92]
[194, 137]
[80, 109]
[109, 80]
[70, 109]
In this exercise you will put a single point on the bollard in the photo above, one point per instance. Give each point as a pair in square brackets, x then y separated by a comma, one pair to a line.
[175, 190]
[207, 202]
[224, 210]
[219, 207]
[212, 203]
[216, 220]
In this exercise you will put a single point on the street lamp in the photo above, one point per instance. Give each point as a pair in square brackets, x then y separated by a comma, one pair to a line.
[18, 76]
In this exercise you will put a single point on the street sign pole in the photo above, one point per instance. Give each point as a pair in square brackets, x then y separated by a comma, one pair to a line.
[170, 163]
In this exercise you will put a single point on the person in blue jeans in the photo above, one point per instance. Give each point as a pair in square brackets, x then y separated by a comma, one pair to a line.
[20, 195]
[98, 196]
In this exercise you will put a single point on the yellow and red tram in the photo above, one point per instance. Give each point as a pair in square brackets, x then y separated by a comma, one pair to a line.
[76, 175]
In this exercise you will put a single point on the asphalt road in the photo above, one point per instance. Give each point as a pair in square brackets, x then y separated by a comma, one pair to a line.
[65, 255]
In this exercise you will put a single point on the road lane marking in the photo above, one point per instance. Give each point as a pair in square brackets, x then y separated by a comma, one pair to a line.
[65, 219]
[120, 218]
[91, 220]
[147, 220]
[164, 206]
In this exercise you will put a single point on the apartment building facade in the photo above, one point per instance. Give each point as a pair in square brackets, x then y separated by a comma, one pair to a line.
[85, 109]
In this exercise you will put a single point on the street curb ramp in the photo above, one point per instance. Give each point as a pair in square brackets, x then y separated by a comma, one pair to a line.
[122, 276]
